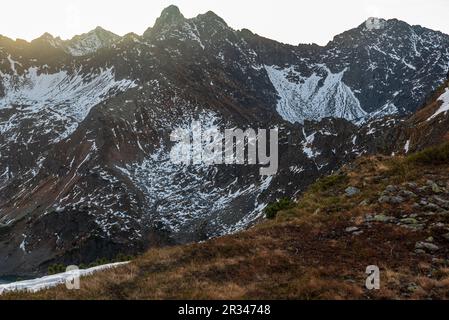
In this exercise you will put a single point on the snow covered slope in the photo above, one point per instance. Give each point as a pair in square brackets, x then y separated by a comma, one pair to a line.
[196, 193]
[315, 97]
[55, 99]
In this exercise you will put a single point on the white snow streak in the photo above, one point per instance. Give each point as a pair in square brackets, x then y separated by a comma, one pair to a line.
[58, 98]
[47, 282]
[444, 107]
[407, 146]
[315, 97]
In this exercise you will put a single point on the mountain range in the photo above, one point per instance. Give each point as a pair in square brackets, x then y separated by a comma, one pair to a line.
[85, 128]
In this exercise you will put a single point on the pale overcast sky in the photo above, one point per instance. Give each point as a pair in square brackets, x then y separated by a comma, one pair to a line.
[289, 21]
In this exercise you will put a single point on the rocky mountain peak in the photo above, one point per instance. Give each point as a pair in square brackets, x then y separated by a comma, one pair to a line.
[55, 42]
[90, 42]
[374, 23]
[99, 29]
[103, 34]
[46, 36]
[211, 17]
[169, 16]
[379, 26]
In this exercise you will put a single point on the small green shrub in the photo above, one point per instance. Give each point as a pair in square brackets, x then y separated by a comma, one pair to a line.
[431, 156]
[123, 258]
[59, 268]
[272, 209]
[56, 268]
[99, 262]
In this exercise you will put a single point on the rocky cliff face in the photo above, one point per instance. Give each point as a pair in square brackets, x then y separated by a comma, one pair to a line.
[85, 128]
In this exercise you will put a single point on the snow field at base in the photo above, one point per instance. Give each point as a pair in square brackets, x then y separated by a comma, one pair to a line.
[48, 282]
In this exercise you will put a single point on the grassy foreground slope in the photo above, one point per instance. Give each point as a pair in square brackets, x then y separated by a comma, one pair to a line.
[389, 212]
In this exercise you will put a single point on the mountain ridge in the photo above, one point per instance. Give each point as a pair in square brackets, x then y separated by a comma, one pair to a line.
[174, 9]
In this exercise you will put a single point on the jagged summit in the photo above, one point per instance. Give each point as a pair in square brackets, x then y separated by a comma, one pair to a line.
[379, 25]
[83, 44]
[211, 17]
[55, 42]
[172, 25]
[374, 23]
[169, 16]
[90, 42]
[100, 29]
[46, 35]
[171, 11]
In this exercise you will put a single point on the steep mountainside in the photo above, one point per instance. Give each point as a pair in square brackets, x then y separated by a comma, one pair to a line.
[429, 126]
[85, 128]
[379, 68]
[391, 212]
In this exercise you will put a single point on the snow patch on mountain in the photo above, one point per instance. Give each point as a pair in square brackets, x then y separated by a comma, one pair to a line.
[13, 63]
[407, 146]
[315, 97]
[88, 44]
[375, 23]
[307, 146]
[444, 108]
[166, 185]
[60, 98]
[388, 109]
[181, 196]
[55, 280]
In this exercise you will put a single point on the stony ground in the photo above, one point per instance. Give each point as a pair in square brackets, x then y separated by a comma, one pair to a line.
[388, 212]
